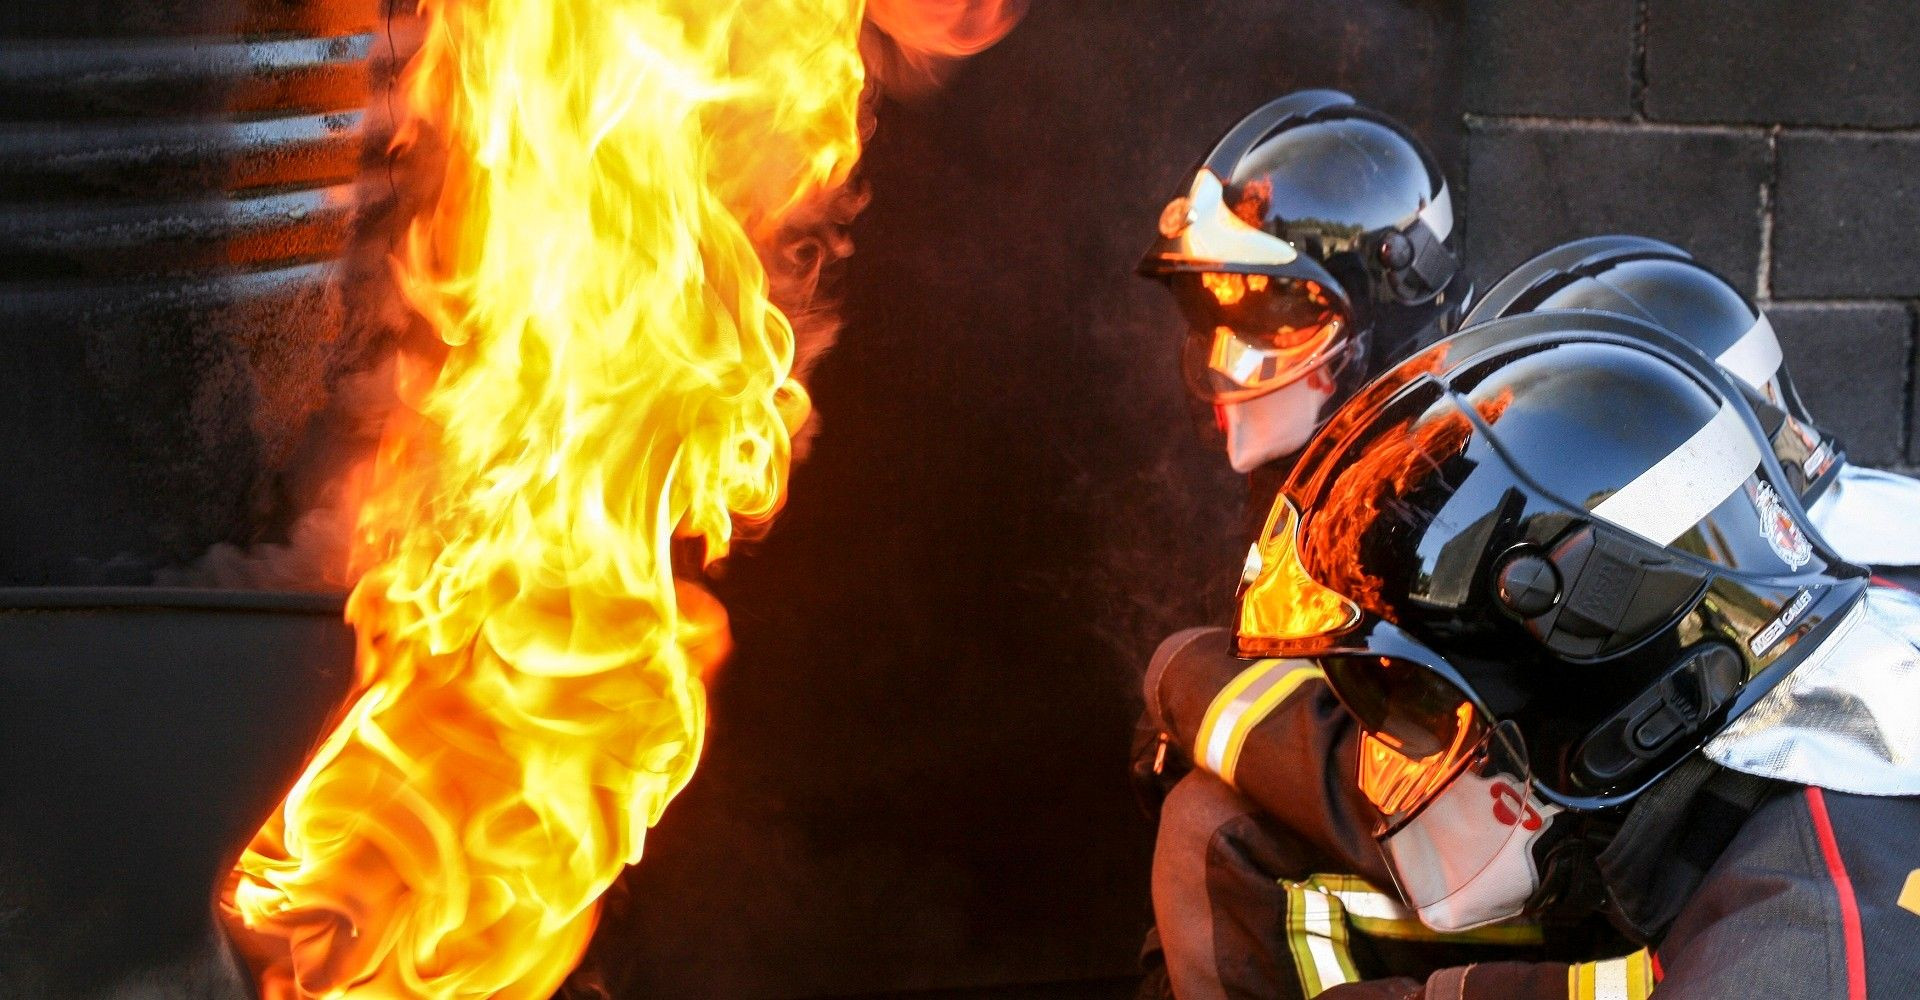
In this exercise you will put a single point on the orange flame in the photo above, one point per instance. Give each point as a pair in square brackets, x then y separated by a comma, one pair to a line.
[612, 376]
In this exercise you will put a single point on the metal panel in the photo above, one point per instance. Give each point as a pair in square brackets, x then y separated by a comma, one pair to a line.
[147, 734]
[179, 185]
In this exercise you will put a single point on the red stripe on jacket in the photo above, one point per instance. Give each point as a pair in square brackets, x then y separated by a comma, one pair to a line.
[1843, 887]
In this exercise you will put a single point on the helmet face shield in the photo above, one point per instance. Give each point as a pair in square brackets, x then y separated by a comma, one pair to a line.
[1250, 334]
[1453, 788]
[1466, 858]
[1420, 727]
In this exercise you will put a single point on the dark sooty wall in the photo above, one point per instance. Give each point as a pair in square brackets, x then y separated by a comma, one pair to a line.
[915, 771]
[1779, 141]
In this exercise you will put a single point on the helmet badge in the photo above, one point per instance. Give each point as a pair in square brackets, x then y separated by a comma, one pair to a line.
[1785, 536]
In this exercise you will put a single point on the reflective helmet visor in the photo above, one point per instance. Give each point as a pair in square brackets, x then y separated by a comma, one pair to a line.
[1451, 786]
[1250, 334]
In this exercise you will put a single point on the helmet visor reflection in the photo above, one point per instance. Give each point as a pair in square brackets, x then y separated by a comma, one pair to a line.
[1250, 334]
[1420, 726]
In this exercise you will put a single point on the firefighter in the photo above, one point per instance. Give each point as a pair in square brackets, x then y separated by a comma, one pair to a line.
[1591, 659]
[1314, 243]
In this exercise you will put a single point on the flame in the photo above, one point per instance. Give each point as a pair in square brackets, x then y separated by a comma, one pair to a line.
[611, 394]
[1395, 780]
[1284, 603]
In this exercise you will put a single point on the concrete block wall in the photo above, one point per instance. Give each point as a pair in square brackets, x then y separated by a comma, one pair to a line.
[1779, 141]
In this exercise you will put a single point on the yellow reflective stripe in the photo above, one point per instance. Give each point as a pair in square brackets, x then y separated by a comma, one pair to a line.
[1382, 915]
[1640, 975]
[1255, 713]
[1627, 978]
[1204, 739]
[1414, 930]
[1317, 937]
[1303, 963]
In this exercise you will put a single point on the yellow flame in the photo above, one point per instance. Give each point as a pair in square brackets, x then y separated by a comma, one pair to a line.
[1284, 603]
[611, 376]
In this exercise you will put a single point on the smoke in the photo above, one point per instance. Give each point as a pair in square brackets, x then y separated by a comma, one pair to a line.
[314, 554]
[304, 529]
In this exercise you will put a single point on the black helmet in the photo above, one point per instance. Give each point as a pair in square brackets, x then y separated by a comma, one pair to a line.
[1313, 222]
[1571, 518]
[1542, 562]
[1663, 284]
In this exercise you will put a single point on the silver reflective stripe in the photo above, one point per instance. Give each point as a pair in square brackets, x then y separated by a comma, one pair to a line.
[1214, 233]
[1318, 922]
[1755, 357]
[1610, 980]
[1220, 740]
[1685, 486]
[1373, 905]
[1438, 215]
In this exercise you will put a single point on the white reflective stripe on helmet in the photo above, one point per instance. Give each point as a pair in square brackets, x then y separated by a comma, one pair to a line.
[1438, 213]
[1214, 233]
[1756, 356]
[1681, 489]
[1243, 704]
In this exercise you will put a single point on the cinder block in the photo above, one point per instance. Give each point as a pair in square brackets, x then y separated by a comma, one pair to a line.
[1529, 58]
[1850, 362]
[1784, 61]
[1847, 211]
[1533, 186]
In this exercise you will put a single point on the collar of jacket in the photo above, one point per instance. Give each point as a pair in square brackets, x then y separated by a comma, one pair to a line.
[1671, 836]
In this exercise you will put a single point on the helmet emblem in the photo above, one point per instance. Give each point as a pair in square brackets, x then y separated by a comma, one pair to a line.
[1788, 541]
[1510, 807]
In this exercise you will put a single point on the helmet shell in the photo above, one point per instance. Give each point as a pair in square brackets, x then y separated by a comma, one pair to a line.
[1664, 285]
[1576, 514]
[1347, 197]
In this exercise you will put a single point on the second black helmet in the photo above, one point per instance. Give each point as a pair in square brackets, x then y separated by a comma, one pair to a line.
[1314, 224]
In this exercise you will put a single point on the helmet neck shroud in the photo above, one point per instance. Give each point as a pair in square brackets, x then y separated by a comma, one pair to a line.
[1572, 514]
